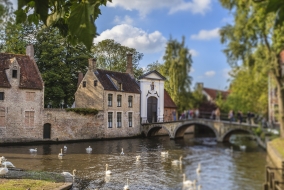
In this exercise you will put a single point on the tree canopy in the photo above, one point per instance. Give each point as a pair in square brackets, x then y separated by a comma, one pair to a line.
[74, 19]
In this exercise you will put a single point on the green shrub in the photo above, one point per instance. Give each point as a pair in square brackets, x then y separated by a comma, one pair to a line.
[84, 111]
[262, 136]
[258, 131]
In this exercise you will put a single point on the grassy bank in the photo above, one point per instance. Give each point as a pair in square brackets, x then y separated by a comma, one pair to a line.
[12, 184]
[278, 144]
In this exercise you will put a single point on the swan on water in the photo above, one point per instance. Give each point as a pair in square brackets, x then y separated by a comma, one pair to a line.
[3, 159]
[61, 154]
[164, 153]
[188, 182]
[229, 150]
[198, 169]
[138, 158]
[126, 187]
[3, 171]
[243, 147]
[8, 164]
[89, 149]
[65, 147]
[108, 172]
[175, 162]
[67, 174]
[122, 153]
[33, 149]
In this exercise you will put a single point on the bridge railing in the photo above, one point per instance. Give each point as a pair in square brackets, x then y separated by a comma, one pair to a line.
[272, 182]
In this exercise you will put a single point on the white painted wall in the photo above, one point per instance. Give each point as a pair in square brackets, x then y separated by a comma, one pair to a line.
[146, 92]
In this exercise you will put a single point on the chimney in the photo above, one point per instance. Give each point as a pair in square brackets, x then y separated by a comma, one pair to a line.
[30, 51]
[80, 78]
[92, 64]
[129, 68]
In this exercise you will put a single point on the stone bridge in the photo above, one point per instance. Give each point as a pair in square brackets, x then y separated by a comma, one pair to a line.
[176, 129]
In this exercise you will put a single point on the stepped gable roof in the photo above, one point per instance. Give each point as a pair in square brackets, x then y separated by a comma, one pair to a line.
[213, 93]
[150, 72]
[29, 74]
[168, 102]
[129, 84]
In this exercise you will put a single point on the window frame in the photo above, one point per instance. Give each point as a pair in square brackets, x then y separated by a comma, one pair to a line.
[2, 116]
[14, 73]
[130, 119]
[109, 119]
[109, 100]
[119, 100]
[2, 97]
[84, 84]
[118, 120]
[130, 101]
[29, 118]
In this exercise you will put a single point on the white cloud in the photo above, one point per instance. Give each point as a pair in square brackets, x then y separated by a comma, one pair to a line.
[146, 6]
[206, 34]
[135, 38]
[125, 20]
[193, 52]
[210, 73]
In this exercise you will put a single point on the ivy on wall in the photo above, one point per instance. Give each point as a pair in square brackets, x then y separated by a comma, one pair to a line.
[84, 111]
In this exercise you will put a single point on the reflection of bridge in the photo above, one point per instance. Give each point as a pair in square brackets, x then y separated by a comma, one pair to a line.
[176, 129]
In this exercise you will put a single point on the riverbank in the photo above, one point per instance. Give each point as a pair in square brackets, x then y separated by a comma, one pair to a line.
[21, 179]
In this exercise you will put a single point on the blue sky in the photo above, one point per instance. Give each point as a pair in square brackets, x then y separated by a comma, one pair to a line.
[146, 25]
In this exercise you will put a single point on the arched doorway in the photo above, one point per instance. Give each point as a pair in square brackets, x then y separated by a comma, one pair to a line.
[46, 130]
[152, 104]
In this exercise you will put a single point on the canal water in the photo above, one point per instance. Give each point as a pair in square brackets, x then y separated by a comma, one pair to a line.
[220, 169]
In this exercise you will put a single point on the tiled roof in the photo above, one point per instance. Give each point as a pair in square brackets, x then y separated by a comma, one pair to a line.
[128, 83]
[213, 93]
[168, 102]
[154, 71]
[29, 75]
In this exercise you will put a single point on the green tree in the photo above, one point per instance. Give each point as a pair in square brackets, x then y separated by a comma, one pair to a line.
[154, 66]
[197, 97]
[253, 28]
[74, 19]
[5, 11]
[113, 56]
[176, 69]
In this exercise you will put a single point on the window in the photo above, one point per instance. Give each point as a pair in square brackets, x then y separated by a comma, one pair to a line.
[2, 117]
[118, 119]
[29, 118]
[30, 96]
[130, 101]
[109, 121]
[120, 86]
[14, 73]
[1, 95]
[109, 102]
[118, 100]
[95, 83]
[129, 119]
[84, 84]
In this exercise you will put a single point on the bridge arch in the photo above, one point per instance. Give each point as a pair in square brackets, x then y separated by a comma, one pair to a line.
[180, 130]
[153, 130]
[227, 134]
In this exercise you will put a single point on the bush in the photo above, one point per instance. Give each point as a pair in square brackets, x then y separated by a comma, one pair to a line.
[84, 111]
[258, 131]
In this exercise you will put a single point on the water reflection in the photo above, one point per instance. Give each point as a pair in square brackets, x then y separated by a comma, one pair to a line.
[219, 170]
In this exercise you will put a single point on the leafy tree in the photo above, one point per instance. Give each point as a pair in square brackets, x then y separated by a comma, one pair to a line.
[154, 66]
[74, 19]
[197, 97]
[253, 28]
[5, 11]
[176, 69]
[113, 56]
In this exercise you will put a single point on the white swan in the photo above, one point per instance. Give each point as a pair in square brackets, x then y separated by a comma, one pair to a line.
[198, 169]
[164, 153]
[65, 147]
[3, 171]
[33, 150]
[67, 174]
[61, 154]
[138, 158]
[188, 182]
[8, 164]
[122, 153]
[89, 149]
[229, 150]
[175, 162]
[243, 147]
[108, 172]
[126, 187]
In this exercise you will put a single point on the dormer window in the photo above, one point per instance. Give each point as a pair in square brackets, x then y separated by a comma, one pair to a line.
[120, 86]
[14, 73]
